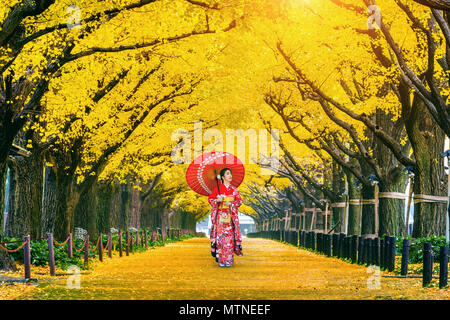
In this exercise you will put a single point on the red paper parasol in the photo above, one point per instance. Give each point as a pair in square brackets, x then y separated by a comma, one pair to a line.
[201, 175]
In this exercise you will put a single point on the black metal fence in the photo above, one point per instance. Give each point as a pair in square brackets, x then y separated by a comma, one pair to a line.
[369, 251]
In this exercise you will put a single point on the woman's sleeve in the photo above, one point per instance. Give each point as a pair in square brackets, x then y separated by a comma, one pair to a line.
[212, 198]
[237, 199]
[235, 216]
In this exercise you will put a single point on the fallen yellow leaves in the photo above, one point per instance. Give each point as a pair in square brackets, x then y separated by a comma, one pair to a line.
[12, 290]
[268, 270]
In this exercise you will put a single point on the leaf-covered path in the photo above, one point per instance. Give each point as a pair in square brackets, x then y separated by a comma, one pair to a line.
[268, 270]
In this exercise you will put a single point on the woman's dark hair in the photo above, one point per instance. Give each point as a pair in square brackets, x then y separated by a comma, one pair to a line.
[222, 173]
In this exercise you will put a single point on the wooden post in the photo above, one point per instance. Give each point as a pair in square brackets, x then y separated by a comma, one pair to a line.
[387, 245]
[137, 238]
[392, 254]
[27, 257]
[120, 243]
[307, 239]
[319, 242]
[427, 263]
[328, 244]
[131, 242]
[326, 217]
[70, 246]
[376, 251]
[341, 245]
[405, 255]
[86, 251]
[354, 248]
[127, 248]
[146, 239]
[334, 242]
[344, 246]
[443, 266]
[365, 252]
[51, 254]
[100, 247]
[360, 249]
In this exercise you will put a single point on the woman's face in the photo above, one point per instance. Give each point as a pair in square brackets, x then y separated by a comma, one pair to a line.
[227, 176]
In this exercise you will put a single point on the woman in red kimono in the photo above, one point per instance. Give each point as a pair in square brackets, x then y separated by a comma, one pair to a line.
[226, 238]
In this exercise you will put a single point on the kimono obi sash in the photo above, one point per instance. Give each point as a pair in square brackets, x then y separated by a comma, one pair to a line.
[222, 204]
[224, 212]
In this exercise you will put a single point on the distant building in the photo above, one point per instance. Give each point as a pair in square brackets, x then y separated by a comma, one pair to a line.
[246, 223]
[203, 226]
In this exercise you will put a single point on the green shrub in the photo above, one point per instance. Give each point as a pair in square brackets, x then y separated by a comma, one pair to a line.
[39, 250]
[416, 247]
[39, 253]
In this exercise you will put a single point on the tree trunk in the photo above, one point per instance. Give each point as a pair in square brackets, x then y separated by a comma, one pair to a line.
[104, 206]
[125, 207]
[427, 140]
[85, 215]
[116, 206]
[64, 164]
[136, 208]
[338, 183]
[24, 215]
[6, 263]
[353, 210]
[391, 211]
[49, 201]
[12, 200]
[368, 211]
[66, 199]
[3, 173]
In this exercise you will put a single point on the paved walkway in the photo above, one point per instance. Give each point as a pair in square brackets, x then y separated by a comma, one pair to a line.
[268, 270]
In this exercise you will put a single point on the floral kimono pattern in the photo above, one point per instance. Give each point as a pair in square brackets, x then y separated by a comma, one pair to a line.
[226, 236]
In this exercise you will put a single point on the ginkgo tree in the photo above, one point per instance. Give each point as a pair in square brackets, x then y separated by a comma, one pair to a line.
[72, 50]
[96, 89]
